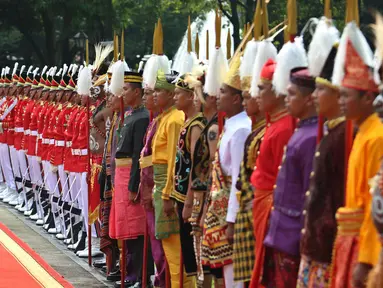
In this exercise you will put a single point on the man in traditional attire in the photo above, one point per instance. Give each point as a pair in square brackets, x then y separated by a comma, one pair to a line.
[357, 244]
[127, 215]
[182, 194]
[285, 224]
[223, 207]
[164, 156]
[146, 189]
[328, 182]
[279, 130]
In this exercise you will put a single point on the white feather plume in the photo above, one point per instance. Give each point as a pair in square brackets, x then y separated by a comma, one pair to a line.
[292, 55]
[53, 72]
[140, 66]
[126, 67]
[266, 51]
[15, 68]
[84, 82]
[65, 70]
[216, 72]
[59, 73]
[189, 60]
[7, 69]
[351, 32]
[70, 69]
[102, 51]
[155, 63]
[106, 85]
[35, 72]
[29, 70]
[2, 72]
[324, 39]
[248, 59]
[22, 69]
[74, 69]
[117, 81]
[79, 69]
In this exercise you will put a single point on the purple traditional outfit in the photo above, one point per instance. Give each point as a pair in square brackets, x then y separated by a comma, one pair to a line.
[146, 194]
[286, 218]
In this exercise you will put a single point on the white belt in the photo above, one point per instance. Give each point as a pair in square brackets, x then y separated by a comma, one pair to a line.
[19, 129]
[60, 143]
[40, 136]
[80, 152]
[27, 132]
[69, 144]
[51, 141]
[45, 141]
[34, 133]
[11, 129]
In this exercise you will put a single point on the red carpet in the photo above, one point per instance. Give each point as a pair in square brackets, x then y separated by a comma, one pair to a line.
[20, 266]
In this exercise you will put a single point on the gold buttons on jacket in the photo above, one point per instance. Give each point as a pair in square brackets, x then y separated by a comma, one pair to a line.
[304, 212]
[308, 193]
[275, 186]
[317, 154]
[279, 167]
[312, 174]
[303, 231]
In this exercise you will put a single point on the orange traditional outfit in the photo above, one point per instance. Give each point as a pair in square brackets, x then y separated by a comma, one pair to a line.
[357, 240]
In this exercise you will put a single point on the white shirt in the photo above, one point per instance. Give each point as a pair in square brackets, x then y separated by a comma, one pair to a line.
[231, 149]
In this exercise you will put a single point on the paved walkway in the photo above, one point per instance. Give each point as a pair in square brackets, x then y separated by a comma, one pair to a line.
[65, 262]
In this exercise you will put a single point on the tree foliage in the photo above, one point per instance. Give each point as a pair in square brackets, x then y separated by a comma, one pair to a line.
[41, 31]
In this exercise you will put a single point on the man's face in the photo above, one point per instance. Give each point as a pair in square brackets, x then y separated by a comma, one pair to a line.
[60, 94]
[12, 90]
[266, 99]
[6, 91]
[325, 99]
[296, 102]
[52, 95]
[225, 99]
[162, 97]
[26, 90]
[84, 100]
[129, 94]
[250, 104]
[32, 93]
[115, 103]
[350, 102]
[183, 99]
[38, 92]
[149, 99]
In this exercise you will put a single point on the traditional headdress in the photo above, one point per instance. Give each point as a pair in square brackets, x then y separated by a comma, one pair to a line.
[157, 61]
[84, 82]
[300, 76]
[165, 81]
[248, 59]
[218, 66]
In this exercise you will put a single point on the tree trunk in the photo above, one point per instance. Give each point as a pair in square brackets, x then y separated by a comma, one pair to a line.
[235, 21]
[250, 7]
[49, 30]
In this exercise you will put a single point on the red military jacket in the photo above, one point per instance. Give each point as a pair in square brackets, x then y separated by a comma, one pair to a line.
[33, 128]
[40, 128]
[26, 123]
[3, 107]
[19, 123]
[69, 131]
[9, 120]
[50, 120]
[79, 142]
[58, 134]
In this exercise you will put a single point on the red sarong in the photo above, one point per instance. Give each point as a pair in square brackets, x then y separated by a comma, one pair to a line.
[126, 219]
[263, 201]
[94, 201]
[346, 247]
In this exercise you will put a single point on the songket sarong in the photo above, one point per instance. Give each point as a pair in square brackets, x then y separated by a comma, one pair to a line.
[313, 274]
[280, 269]
[165, 226]
[126, 218]
[263, 201]
[216, 250]
[346, 246]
